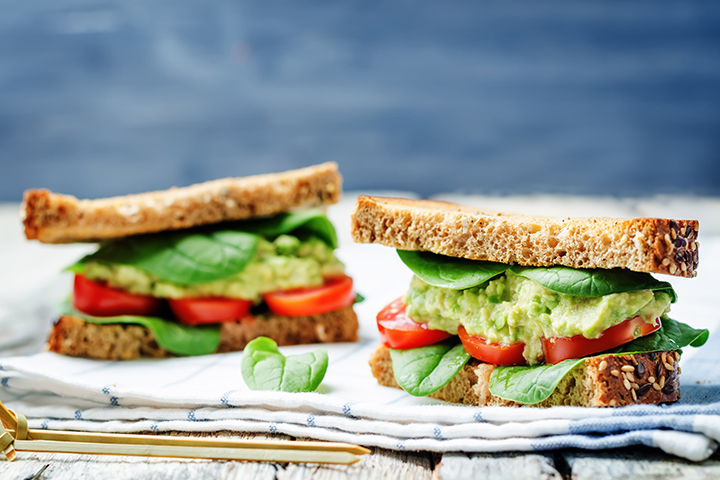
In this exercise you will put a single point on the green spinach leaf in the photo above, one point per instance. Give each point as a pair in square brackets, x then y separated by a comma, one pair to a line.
[309, 221]
[184, 257]
[672, 335]
[77, 267]
[207, 254]
[425, 370]
[460, 273]
[265, 368]
[173, 337]
[592, 282]
[533, 384]
[529, 384]
[450, 272]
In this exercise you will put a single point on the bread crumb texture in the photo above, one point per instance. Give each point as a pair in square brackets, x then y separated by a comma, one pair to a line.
[652, 245]
[56, 218]
[74, 337]
[605, 381]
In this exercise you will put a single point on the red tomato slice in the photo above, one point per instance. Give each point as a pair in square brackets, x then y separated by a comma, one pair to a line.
[402, 332]
[496, 353]
[558, 349]
[99, 300]
[337, 293]
[193, 311]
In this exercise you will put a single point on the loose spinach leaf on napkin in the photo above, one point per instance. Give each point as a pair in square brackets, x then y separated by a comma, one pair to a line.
[425, 370]
[206, 254]
[592, 282]
[533, 384]
[265, 368]
[450, 272]
[173, 337]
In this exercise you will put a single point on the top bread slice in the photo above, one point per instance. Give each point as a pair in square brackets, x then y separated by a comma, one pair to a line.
[652, 245]
[55, 218]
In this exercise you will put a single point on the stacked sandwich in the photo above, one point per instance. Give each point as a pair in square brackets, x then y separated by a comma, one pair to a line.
[200, 269]
[508, 309]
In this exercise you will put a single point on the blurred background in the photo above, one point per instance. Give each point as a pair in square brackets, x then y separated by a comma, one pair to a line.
[106, 97]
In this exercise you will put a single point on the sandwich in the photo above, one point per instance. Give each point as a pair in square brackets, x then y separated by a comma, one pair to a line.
[200, 269]
[508, 309]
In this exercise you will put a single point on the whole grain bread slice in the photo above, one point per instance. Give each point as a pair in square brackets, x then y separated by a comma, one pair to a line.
[74, 337]
[598, 382]
[653, 245]
[56, 218]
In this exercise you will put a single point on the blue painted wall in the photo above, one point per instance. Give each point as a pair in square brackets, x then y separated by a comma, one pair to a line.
[105, 97]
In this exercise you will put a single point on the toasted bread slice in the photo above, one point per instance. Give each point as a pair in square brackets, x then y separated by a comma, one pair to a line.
[651, 245]
[597, 382]
[74, 337]
[56, 218]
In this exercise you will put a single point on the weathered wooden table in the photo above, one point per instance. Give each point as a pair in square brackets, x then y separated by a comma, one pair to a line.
[636, 463]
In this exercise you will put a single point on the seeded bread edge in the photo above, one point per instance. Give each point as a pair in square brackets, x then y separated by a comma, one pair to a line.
[74, 337]
[55, 218]
[652, 245]
[598, 382]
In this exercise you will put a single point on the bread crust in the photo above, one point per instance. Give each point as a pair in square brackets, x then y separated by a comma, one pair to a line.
[56, 218]
[652, 245]
[591, 384]
[74, 337]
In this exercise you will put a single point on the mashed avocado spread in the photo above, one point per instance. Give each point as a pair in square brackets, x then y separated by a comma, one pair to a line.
[281, 264]
[511, 308]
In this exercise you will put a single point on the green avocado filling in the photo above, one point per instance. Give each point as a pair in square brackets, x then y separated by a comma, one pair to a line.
[280, 264]
[511, 308]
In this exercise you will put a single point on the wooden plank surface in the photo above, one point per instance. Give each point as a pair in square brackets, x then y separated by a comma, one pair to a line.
[77, 467]
[636, 463]
[379, 465]
[71, 467]
[500, 466]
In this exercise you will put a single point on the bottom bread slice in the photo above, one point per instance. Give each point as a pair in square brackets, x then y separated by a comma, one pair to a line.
[599, 381]
[73, 336]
